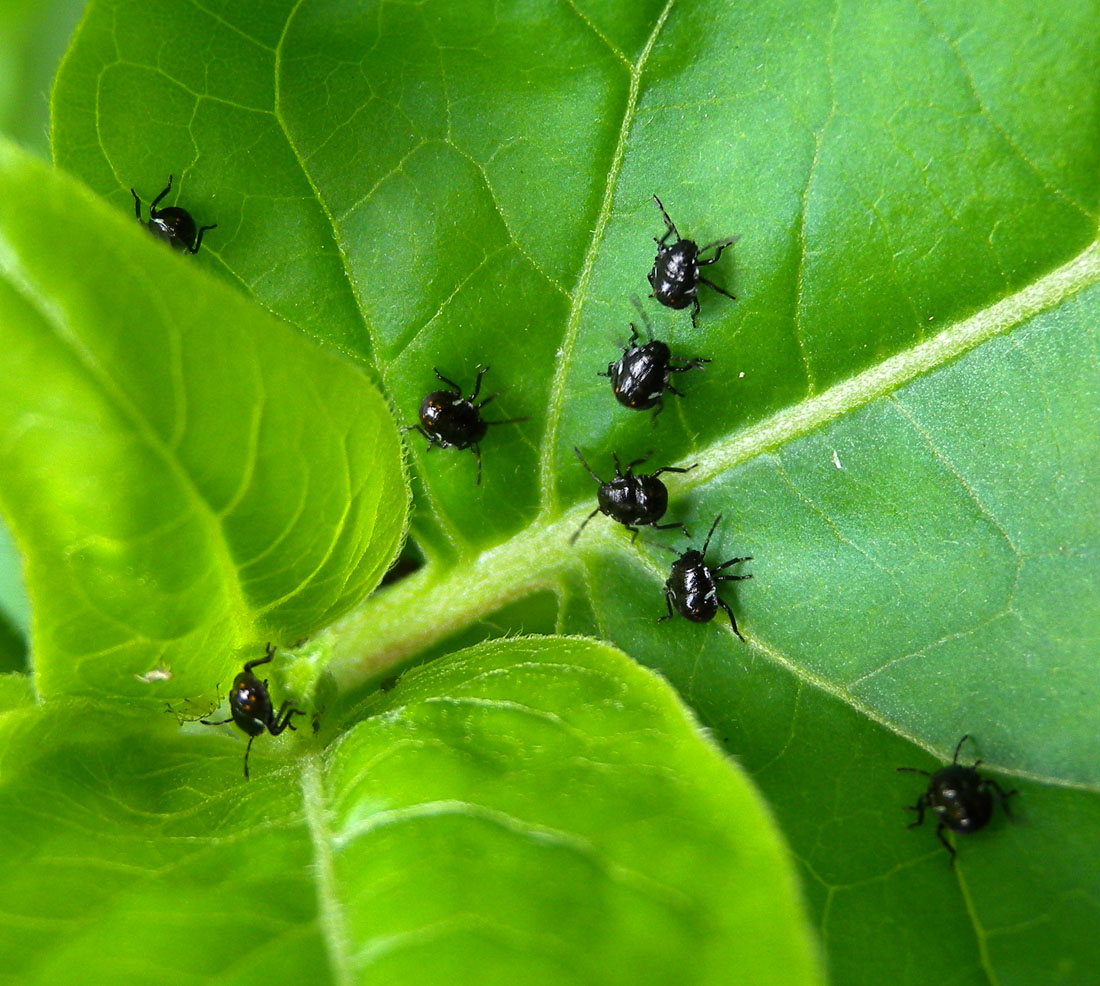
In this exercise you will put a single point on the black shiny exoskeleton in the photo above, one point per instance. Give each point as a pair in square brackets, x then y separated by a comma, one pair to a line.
[692, 586]
[634, 501]
[172, 224]
[449, 420]
[640, 377]
[960, 798]
[675, 277]
[250, 706]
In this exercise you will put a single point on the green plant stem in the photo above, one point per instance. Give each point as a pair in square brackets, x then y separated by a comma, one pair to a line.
[399, 622]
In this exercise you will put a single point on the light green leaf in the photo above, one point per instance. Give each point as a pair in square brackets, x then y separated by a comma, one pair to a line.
[184, 474]
[538, 808]
[898, 423]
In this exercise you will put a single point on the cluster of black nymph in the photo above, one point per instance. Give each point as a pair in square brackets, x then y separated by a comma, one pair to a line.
[640, 379]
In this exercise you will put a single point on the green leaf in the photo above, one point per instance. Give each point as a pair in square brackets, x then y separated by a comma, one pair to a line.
[538, 808]
[183, 473]
[898, 423]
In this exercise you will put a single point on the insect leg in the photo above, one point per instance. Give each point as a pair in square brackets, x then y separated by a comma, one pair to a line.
[198, 242]
[282, 718]
[710, 284]
[922, 801]
[481, 371]
[269, 653]
[718, 246]
[153, 204]
[668, 527]
[669, 224]
[695, 363]
[577, 534]
[1001, 795]
[454, 386]
[674, 469]
[732, 561]
[668, 603]
[733, 622]
[946, 845]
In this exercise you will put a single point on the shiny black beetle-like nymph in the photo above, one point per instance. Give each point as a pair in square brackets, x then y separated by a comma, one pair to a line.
[634, 501]
[251, 709]
[640, 377]
[960, 798]
[692, 585]
[675, 277]
[171, 224]
[449, 420]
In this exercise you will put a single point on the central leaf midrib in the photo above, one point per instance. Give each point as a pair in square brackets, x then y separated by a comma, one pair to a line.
[895, 371]
[330, 915]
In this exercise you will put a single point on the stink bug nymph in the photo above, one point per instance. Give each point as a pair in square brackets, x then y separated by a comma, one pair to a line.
[640, 376]
[960, 798]
[251, 709]
[171, 224]
[449, 420]
[633, 500]
[692, 585]
[675, 277]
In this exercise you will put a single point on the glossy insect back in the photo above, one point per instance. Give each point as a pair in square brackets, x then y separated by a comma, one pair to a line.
[692, 585]
[171, 224]
[675, 277]
[640, 378]
[251, 709]
[633, 501]
[959, 797]
[449, 420]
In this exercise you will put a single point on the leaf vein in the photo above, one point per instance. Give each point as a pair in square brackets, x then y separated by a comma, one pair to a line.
[991, 118]
[330, 915]
[556, 402]
[337, 239]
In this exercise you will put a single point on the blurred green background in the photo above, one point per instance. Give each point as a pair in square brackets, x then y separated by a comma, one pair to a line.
[33, 37]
